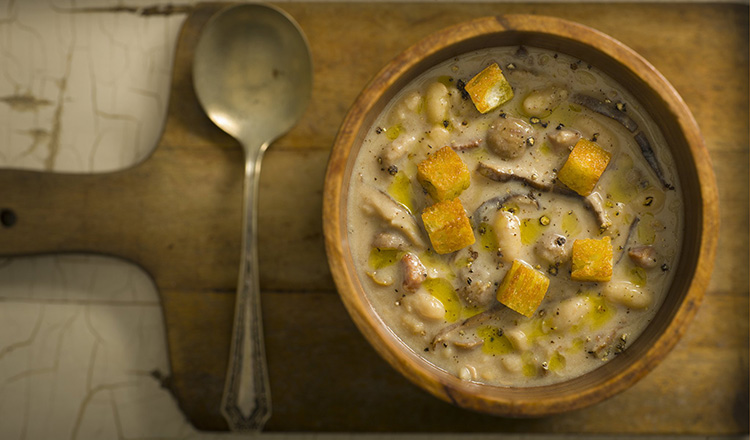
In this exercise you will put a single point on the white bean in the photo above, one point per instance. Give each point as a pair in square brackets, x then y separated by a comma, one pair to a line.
[570, 312]
[628, 294]
[508, 233]
[440, 136]
[398, 148]
[427, 305]
[436, 103]
[467, 373]
[543, 102]
[518, 338]
[512, 363]
[405, 109]
[412, 323]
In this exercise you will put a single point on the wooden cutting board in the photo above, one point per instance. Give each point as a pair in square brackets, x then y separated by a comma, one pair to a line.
[177, 215]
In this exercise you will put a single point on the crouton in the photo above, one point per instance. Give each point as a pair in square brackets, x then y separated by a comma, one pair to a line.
[448, 226]
[592, 260]
[443, 174]
[523, 288]
[584, 167]
[489, 89]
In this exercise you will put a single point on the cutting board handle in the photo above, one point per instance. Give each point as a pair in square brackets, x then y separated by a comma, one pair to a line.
[43, 213]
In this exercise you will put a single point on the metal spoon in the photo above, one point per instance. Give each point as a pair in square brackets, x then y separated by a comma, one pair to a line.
[252, 73]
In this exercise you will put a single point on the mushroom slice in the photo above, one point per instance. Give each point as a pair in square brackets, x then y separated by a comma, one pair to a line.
[378, 203]
[593, 203]
[644, 256]
[609, 110]
[650, 156]
[414, 272]
[468, 322]
[490, 206]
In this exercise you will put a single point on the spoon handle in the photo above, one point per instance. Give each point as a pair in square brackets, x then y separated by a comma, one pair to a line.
[246, 403]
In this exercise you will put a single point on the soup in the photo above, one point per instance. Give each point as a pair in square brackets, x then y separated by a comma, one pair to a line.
[514, 216]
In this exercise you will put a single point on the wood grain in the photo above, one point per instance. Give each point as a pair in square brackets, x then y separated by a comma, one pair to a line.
[324, 375]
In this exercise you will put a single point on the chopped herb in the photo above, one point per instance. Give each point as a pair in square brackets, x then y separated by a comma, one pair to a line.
[649, 200]
[392, 170]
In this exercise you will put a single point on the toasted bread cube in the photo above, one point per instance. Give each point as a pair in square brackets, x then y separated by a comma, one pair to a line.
[584, 166]
[523, 288]
[592, 259]
[489, 89]
[443, 174]
[448, 226]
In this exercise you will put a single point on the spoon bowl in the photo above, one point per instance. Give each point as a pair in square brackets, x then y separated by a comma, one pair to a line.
[252, 74]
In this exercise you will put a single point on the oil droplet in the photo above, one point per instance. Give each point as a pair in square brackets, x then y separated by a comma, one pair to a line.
[529, 364]
[494, 341]
[570, 223]
[556, 362]
[600, 312]
[638, 276]
[380, 258]
[442, 289]
[401, 191]
[433, 261]
[531, 229]
[487, 238]
[394, 131]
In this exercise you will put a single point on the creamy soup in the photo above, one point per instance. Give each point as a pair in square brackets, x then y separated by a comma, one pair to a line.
[523, 244]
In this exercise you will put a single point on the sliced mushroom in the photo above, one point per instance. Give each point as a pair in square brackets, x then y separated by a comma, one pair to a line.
[489, 207]
[414, 272]
[607, 109]
[508, 137]
[475, 280]
[376, 202]
[592, 203]
[650, 156]
[644, 256]
[468, 322]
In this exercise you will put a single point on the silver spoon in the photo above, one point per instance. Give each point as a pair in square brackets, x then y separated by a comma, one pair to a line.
[252, 73]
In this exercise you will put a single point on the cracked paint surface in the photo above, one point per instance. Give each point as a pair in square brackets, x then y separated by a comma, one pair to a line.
[83, 88]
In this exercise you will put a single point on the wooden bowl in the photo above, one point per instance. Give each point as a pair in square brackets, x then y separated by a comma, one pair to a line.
[691, 159]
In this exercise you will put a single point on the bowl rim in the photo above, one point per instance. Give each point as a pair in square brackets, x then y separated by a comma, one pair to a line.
[507, 401]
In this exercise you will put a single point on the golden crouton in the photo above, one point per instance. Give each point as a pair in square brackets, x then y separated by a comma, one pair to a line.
[584, 166]
[443, 174]
[489, 89]
[523, 288]
[592, 260]
[448, 226]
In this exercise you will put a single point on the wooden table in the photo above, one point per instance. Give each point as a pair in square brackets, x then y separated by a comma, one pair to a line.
[177, 214]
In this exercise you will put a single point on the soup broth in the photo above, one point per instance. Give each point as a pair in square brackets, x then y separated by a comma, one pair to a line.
[525, 245]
